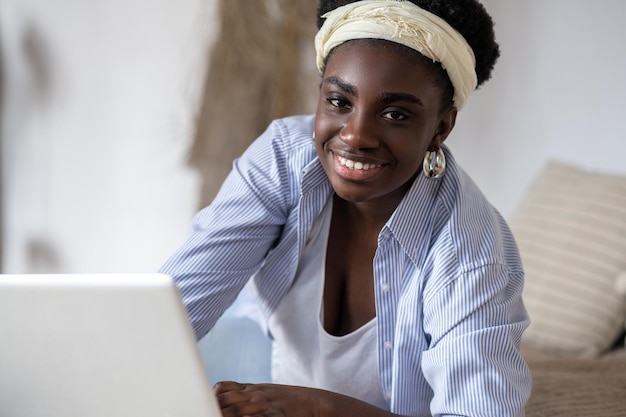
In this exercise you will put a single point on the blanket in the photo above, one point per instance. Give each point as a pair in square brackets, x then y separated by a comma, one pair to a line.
[577, 387]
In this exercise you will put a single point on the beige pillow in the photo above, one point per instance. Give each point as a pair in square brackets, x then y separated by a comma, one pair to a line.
[571, 232]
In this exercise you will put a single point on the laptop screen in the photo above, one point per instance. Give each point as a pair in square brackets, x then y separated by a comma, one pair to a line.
[98, 345]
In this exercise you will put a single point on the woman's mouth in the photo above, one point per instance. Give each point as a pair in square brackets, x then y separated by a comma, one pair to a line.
[355, 170]
[356, 165]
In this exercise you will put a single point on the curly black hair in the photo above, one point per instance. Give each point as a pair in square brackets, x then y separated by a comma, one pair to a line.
[468, 17]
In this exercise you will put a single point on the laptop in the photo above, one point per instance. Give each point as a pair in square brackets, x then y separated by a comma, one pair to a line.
[98, 345]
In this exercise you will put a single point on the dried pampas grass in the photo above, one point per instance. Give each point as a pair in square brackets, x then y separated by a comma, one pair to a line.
[261, 67]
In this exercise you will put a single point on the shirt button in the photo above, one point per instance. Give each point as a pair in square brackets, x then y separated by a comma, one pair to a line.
[385, 287]
[388, 345]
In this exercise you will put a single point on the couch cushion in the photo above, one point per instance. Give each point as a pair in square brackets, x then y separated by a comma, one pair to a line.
[571, 232]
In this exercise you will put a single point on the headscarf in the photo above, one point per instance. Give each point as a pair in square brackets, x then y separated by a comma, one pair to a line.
[405, 23]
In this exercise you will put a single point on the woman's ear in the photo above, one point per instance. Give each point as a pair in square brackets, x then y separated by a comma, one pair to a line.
[446, 123]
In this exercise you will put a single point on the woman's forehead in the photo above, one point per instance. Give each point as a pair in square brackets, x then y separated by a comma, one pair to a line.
[402, 52]
[379, 54]
[375, 68]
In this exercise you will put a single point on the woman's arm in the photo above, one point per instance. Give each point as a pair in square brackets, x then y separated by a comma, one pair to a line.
[232, 236]
[473, 364]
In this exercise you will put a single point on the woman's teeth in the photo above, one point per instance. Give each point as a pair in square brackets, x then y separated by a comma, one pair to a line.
[356, 165]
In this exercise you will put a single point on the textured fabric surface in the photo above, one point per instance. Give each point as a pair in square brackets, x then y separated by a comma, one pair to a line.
[571, 232]
[577, 387]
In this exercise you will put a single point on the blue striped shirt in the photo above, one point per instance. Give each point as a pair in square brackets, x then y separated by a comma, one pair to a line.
[447, 274]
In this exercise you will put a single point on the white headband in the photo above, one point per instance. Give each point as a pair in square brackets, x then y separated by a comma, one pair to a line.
[405, 23]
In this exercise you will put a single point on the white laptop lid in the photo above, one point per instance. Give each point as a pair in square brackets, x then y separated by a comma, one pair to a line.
[98, 345]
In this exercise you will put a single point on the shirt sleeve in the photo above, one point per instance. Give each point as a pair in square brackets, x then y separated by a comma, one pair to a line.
[231, 237]
[473, 364]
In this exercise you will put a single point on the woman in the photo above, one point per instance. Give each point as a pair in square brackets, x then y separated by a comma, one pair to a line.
[389, 284]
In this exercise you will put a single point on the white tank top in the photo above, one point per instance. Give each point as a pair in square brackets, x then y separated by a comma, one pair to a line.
[304, 354]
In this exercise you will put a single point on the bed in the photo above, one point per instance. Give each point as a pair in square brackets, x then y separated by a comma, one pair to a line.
[571, 232]
[577, 387]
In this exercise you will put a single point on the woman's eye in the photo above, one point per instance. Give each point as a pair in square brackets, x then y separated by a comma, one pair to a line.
[338, 102]
[394, 115]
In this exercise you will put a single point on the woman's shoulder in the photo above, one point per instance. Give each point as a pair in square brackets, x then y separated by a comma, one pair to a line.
[284, 142]
[478, 231]
[298, 130]
[297, 122]
[459, 192]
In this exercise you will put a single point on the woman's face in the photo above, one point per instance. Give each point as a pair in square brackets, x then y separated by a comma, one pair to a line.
[378, 113]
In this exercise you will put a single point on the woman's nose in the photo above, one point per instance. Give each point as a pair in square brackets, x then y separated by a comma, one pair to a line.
[359, 132]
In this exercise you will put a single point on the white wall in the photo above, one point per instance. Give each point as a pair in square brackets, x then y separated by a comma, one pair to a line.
[93, 157]
[99, 102]
[557, 93]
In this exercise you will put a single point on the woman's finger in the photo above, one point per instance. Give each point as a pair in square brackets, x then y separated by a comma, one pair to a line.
[246, 409]
[226, 386]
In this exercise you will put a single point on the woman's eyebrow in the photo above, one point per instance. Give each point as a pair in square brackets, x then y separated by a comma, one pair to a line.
[383, 97]
[338, 82]
[395, 97]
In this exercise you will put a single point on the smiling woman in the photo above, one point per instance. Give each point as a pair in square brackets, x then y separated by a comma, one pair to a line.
[372, 254]
[380, 107]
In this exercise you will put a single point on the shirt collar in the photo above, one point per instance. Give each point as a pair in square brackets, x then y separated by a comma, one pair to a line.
[412, 222]
[313, 176]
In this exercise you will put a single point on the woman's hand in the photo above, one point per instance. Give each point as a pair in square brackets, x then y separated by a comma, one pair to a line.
[268, 400]
[272, 400]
